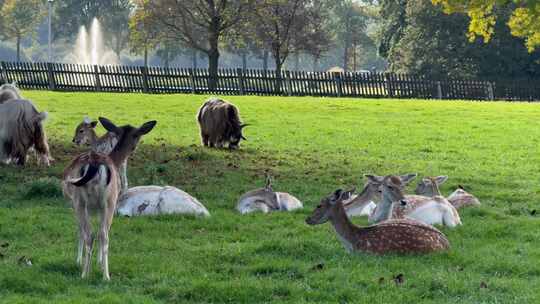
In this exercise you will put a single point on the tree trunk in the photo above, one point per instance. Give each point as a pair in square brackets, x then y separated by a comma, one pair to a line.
[277, 59]
[213, 63]
[194, 59]
[146, 56]
[354, 56]
[18, 48]
[315, 63]
[265, 60]
[244, 60]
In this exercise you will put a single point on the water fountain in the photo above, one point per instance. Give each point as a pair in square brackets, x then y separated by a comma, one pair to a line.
[90, 49]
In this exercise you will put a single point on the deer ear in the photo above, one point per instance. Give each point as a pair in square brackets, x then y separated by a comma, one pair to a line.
[375, 179]
[406, 179]
[147, 127]
[441, 179]
[110, 126]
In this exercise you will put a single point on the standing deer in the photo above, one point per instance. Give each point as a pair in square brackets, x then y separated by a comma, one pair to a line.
[429, 210]
[85, 134]
[459, 198]
[91, 181]
[401, 236]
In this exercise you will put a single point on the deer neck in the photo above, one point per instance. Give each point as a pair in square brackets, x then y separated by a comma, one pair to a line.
[94, 140]
[119, 154]
[347, 231]
[361, 201]
[383, 211]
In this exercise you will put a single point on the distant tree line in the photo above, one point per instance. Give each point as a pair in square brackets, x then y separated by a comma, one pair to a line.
[427, 37]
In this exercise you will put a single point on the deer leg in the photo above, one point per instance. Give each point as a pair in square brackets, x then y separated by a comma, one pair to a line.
[88, 238]
[80, 248]
[123, 177]
[106, 221]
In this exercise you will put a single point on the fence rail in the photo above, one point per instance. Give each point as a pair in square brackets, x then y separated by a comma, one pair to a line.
[74, 77]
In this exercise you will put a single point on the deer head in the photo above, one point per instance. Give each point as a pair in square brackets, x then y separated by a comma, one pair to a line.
[129, 137]
[327, 207]
[429, 186]
[85, 133]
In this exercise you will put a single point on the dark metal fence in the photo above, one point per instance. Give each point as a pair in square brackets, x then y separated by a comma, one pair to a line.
[73, 77]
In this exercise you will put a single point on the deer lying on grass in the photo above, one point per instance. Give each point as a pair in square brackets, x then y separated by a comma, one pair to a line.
[376, 182]
[400, 236]
[266, 200]
[459, 198]
[429, 210]
[85, 134]
[91, 181]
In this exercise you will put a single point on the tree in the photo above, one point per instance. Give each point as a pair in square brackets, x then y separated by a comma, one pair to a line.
[20, 18]
[524, 21]
[432, 44]
[199, 24]
[143, 33]
[283, 27]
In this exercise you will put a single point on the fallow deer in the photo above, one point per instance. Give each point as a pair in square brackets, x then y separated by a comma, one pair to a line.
[459, 198]
[91, 181]
[399, 236]
[429, 210]
[266, 200]
[379, 213]
[85, 134]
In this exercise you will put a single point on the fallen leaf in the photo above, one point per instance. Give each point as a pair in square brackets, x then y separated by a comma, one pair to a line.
[483, 285]
[25, 261]
[381, 280]
[319, 266]
[533, 212]
[4, 245]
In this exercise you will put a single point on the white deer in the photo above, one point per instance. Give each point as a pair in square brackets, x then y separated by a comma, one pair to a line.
[266, 200]
[85, 134]
[429, 210]
[429, 186]
[91, 181]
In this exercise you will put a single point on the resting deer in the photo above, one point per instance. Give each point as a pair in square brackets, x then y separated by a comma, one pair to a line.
[400, 236]
[459, 198]
[85, 134]
[91, 181]
[376, 182]
[266, 200]
[429, 210]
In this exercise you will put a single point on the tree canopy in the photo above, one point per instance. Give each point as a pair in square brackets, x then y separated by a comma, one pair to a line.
[524, 21]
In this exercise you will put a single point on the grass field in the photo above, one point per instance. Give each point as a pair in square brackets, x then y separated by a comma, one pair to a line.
[312, 146]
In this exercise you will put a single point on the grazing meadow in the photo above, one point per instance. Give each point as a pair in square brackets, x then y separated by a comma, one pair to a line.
[311, 146]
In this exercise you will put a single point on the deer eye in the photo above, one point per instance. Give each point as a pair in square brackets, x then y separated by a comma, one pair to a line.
[81, 131]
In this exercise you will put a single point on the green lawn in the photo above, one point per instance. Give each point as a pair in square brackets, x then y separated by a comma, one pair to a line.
[312, 146]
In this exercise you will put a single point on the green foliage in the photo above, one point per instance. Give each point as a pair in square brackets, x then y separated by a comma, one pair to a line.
[428, 42]
[19, 18]
[524, 22]
[311, 146]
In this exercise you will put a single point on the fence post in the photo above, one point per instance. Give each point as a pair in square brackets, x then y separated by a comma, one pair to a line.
[240, 78]
[3, 72]
[288, 83]
[389, 84]
[50, 76]
[339, 83]
[490, 91]
[439, 90]
[192, 80]
[144, 72]
[97, 80]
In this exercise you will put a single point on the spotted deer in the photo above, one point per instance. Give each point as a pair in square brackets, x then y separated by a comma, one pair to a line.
[398, 236]
[459, 198]
[92, 182]
[429, 210]
[85, 134]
